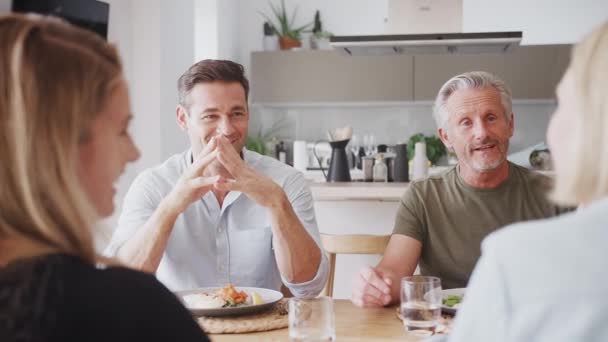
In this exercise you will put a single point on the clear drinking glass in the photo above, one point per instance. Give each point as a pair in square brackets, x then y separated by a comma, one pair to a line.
[354, 145]
[311, 319]
[369, 144]
[421, 302]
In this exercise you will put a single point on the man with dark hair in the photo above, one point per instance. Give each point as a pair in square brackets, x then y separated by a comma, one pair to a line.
[218, 213]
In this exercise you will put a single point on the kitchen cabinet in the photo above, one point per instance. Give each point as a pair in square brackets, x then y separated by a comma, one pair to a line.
[532, 72]
[326, 76]
[311, 77]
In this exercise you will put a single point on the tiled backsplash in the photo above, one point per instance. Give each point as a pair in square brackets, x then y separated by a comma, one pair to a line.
[388, 124]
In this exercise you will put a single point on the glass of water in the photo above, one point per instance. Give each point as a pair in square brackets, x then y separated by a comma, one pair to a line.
[421, 303]
[312, 319]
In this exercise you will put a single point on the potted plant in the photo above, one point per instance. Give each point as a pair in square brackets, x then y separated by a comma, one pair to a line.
[320, 38]
[289, 35]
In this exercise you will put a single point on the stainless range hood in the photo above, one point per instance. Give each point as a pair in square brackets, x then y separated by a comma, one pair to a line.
[431, 43]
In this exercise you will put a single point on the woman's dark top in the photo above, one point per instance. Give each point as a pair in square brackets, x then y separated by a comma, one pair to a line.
[61, 298]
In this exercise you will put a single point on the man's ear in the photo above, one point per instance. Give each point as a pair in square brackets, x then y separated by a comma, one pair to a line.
[443, 135]
[511, 125]
[181, 115]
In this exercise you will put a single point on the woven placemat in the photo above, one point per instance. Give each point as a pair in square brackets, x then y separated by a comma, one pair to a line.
[444, 326]
[275, 318]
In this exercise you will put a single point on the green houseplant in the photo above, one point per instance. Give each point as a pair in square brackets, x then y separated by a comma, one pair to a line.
[289, 35]
[256, 143]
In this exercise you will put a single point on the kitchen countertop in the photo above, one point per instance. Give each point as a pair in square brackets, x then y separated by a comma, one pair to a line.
[323, 191]
[357, 189]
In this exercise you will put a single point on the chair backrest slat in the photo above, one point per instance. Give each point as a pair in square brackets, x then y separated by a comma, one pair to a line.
[349, 244]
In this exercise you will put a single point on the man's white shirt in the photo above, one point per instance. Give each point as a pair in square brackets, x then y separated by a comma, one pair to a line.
[212, 246]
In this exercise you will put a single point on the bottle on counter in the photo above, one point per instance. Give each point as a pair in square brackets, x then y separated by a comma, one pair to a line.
[271, 42]
[281, 152]
[380, 169]
[420, 168]
[360, 156]
[368, 168]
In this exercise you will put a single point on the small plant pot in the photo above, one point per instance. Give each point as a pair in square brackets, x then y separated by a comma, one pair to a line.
[287, 43]
[320, 43]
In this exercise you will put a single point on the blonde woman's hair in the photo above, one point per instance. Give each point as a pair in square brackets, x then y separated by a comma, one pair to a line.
[54, 80]
[587, 177]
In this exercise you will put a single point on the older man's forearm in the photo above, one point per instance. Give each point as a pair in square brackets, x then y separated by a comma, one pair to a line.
[298, 255]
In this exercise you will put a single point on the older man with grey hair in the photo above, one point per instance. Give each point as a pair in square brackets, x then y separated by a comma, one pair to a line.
[442, 220]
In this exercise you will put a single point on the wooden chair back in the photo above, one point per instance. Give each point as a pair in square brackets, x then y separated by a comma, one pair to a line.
[349, 244]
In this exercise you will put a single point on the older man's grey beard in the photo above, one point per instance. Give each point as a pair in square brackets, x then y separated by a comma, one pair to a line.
[487, 167]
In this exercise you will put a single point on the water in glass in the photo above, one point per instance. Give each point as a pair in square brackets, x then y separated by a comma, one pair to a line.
[420, 315]
[421, 302]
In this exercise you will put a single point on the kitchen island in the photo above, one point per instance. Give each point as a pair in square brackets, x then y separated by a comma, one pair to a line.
[391, 192]
[355, 208]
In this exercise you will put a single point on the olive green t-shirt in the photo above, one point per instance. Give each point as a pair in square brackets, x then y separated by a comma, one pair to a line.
[451, 218]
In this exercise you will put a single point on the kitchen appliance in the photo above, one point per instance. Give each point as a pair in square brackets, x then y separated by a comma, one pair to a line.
[339, 170]
[390, 166]
[418, 27]
[300, 156]
[401, 164]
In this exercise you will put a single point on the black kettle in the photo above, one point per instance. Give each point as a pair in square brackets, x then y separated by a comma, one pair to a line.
[339, 170]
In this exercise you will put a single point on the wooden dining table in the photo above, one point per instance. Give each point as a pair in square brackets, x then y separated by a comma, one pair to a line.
[353, 324]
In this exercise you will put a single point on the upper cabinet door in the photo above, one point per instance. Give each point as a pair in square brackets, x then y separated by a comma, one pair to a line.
[532, 72]
[326, 76]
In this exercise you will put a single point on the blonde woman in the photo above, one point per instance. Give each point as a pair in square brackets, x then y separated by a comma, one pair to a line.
[546, 280]
[64, 141]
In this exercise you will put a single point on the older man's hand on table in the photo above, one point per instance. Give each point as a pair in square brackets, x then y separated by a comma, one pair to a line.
[372, 287]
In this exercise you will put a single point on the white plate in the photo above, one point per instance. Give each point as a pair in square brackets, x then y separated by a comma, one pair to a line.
[270, 297]
[451, 292]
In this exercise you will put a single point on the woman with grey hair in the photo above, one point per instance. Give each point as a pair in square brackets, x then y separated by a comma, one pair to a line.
[545, 280]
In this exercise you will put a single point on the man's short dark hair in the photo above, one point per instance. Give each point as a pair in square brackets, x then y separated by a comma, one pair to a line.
[211, 70]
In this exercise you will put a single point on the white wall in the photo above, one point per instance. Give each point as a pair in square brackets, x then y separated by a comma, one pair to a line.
[206, 35]
[542, 21]
[342, 17]
[176, 55]
[156, 41]
[229, 19]
[134, 26]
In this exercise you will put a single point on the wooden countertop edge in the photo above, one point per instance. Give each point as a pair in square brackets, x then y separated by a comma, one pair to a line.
[357, 191]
